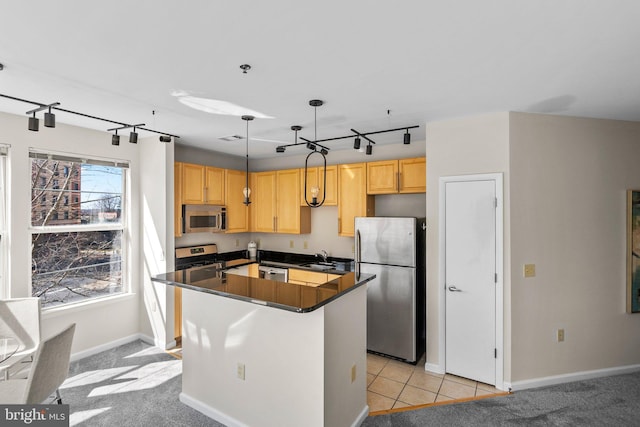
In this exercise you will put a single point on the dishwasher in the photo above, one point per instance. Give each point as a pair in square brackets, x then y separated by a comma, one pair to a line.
[273, 273]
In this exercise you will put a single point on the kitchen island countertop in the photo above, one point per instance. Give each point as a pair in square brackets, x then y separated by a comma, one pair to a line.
[281, 295]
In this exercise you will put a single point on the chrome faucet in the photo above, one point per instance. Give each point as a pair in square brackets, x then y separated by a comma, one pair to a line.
[324, 255]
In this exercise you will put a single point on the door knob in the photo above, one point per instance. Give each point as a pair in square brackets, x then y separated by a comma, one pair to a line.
[454, 289]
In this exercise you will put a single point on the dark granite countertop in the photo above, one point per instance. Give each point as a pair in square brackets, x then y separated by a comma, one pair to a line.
[281, 295]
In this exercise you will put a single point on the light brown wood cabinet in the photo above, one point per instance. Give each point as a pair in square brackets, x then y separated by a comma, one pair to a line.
[311, 280]
[237, 211]
[276, 203]
[315, 177]
[353, 199]
[397, 176]
[177, 199]
[202, 184]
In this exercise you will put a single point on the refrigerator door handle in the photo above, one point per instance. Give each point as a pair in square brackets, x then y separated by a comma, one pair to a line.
[454, 289]
[358, 255]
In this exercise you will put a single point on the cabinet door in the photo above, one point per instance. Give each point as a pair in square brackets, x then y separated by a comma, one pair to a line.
[214, 186]
[413, 175]
[288, 201]
[177, 199]
[253, 270]
[263, 199]
[237, 211]
[382, 177]
[192, 183]
[353, 200]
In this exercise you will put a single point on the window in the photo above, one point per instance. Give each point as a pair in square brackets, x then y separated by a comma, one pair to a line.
[77, 248]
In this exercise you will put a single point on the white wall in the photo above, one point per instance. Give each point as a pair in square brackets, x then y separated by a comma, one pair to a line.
[569, 178]
[100, 322]
[461, 147]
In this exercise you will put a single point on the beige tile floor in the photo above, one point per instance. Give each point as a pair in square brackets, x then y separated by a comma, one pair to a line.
[392, 384]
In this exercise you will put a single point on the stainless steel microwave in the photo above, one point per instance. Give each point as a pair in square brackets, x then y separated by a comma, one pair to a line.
[204, 218]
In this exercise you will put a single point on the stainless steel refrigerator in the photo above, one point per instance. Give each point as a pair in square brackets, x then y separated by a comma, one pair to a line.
[393, 248]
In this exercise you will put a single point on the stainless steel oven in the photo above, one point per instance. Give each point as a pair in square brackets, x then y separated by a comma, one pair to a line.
[204, 218]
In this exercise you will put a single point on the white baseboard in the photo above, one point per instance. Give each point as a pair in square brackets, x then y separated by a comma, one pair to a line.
[567, 378]
[361, 417]
[210, 412]
[437, 369]
[125, 340]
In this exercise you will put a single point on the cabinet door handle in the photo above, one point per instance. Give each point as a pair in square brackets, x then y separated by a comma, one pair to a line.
[397, 181]
[274, 224]
[206, 194]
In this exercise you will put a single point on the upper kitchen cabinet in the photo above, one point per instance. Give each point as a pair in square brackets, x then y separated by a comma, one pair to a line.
[397, 176]
[353, 200]
[315, 177]
[237, 211]
[276, 203]
[177, 199]
[202, 184]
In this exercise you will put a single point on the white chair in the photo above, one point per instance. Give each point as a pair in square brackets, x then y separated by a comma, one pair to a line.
[49, 369]
[20, 319]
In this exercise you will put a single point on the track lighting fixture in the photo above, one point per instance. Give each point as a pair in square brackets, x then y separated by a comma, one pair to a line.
[280, 149]
[49, 119]
[356, 143]
[115, 139]
[33, 123]
[369, 149]
[246, 191]
[133, 136]
[311, 146]
[407, 138]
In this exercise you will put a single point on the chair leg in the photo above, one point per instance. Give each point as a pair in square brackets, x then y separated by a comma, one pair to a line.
[58, 398]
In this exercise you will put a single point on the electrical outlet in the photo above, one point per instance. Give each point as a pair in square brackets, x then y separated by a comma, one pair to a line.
[290, 243]
[560, 335]
[306, 245]
[529, 270]
[353, 373]
[240, 371]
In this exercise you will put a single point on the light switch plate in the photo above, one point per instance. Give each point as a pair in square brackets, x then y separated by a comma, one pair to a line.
[529, 270]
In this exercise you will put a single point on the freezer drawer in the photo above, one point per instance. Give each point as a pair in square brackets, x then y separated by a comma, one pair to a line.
[391, 310]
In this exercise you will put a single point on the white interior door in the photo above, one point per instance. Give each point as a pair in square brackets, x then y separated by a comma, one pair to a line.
[470, 279]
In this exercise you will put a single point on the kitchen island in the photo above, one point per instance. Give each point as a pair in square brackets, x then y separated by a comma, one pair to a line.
[269, 353]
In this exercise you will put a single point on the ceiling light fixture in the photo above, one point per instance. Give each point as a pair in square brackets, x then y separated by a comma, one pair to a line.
[133, 136]
[115, 138]
[407, 138]
[50, 120]
[369, 149]
[315, 103]
[246, 191]
[356, 143]
[33, 123]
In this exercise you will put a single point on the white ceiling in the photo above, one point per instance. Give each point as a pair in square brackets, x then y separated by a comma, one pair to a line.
[424, 60]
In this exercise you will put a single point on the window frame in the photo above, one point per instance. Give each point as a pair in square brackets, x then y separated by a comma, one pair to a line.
[122, 226]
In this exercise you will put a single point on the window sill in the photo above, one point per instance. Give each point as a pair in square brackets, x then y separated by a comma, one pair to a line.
[57, 311]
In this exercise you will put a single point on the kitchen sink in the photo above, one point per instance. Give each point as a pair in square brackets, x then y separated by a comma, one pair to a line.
[320, 266]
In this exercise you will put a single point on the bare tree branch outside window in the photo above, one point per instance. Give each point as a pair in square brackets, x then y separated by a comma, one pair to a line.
[73, 264]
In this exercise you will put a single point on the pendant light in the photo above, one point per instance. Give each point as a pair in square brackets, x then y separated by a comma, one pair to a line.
[246, 191]
[315, 191]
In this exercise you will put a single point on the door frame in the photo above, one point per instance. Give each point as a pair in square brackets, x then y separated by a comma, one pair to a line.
[497, 178]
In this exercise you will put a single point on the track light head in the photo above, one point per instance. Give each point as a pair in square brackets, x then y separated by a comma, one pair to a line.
[34, 123]
[369, 149]
[49, 119]
[133, 136]
[356, 143]
[165, 138]
[407, 137]
[115, 139]
[324, 151]
[280, 149]
[311, 146]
